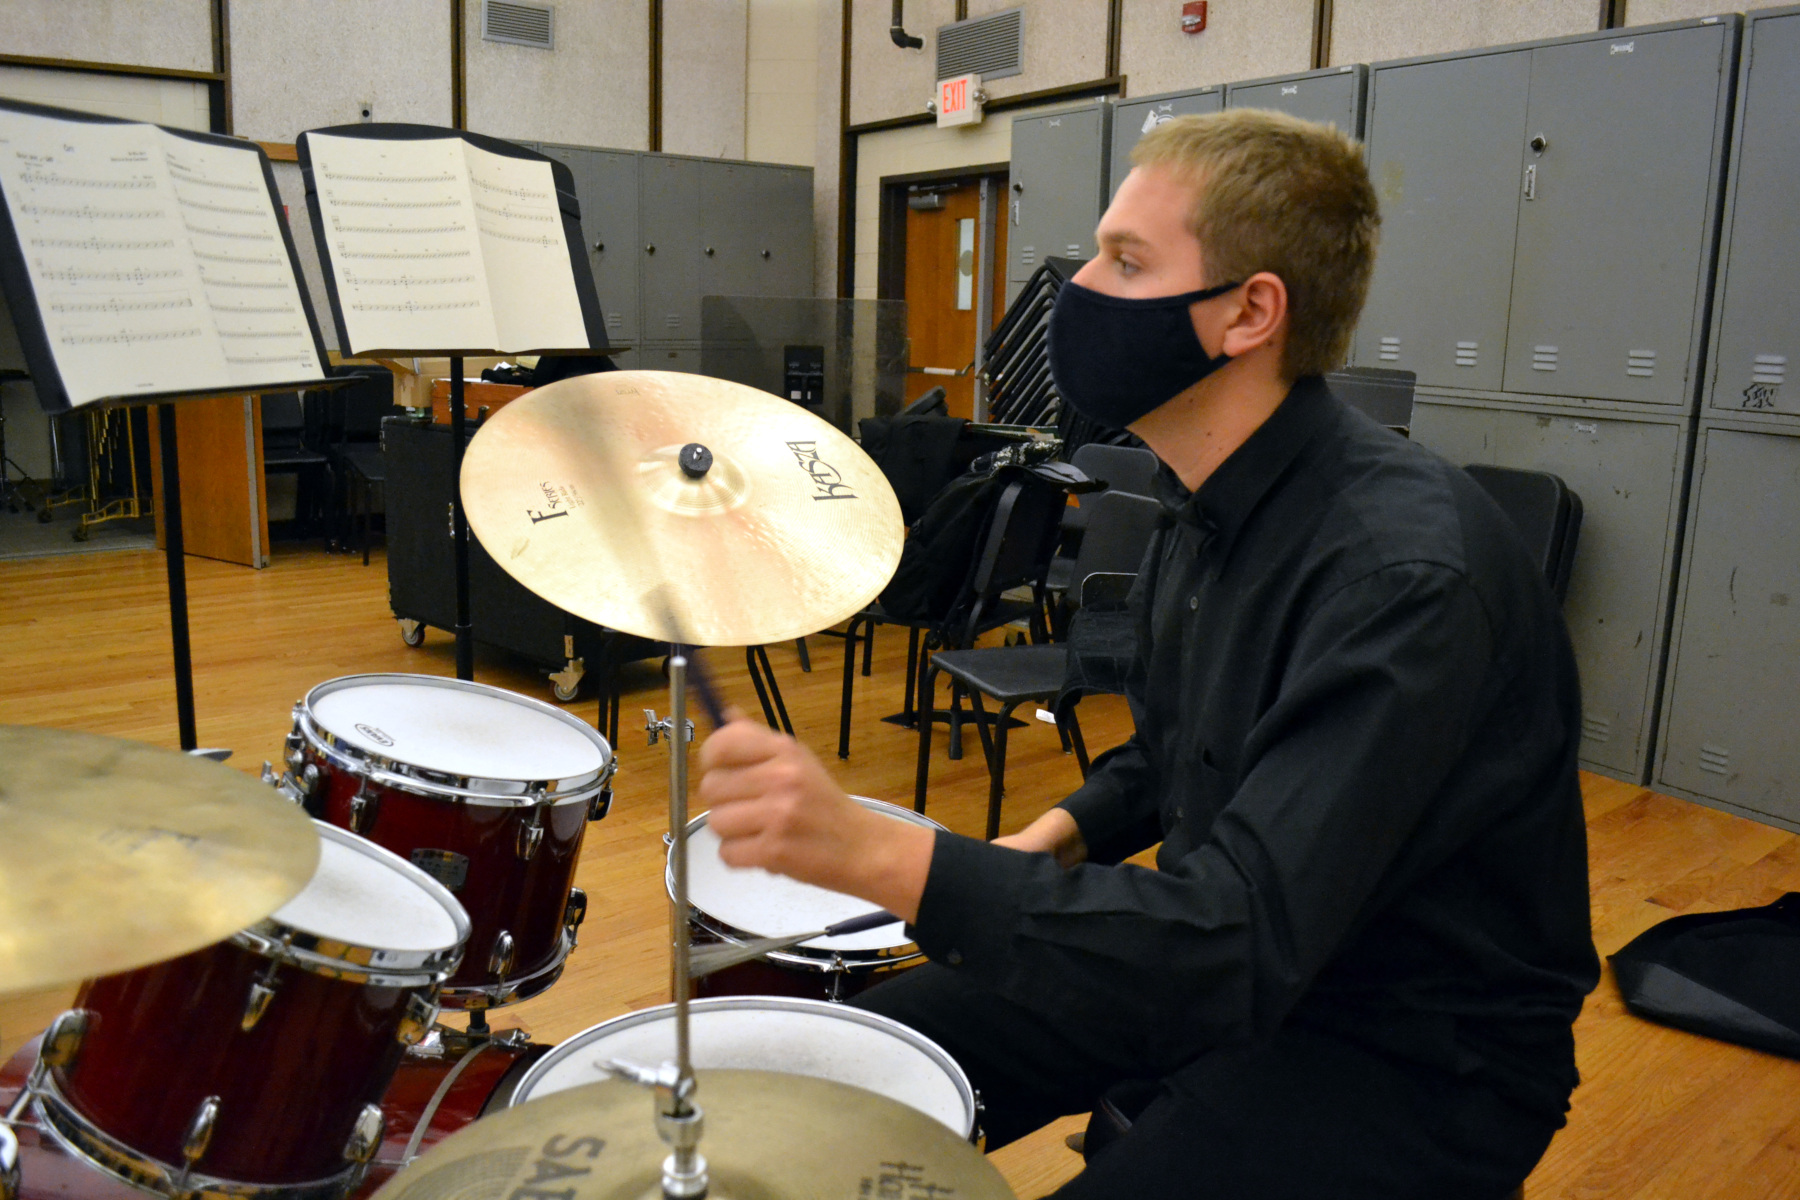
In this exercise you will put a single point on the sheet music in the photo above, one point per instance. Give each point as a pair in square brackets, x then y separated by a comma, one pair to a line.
[141, 247]
[435, 243]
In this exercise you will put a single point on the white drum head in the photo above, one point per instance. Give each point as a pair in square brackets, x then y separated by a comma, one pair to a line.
[357, 897]
[762, 903]
[770, 1033]
[461, 729]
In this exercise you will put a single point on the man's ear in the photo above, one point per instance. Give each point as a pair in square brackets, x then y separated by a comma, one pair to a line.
[1259, 318]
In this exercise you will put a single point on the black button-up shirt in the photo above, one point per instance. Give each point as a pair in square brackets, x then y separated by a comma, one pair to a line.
[1356, 722]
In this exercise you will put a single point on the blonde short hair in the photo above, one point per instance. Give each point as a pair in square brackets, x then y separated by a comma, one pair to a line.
[1286, 196]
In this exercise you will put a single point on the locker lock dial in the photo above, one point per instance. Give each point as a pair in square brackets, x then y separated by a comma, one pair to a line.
[1538, 143]
[599, 247]
[709, 252]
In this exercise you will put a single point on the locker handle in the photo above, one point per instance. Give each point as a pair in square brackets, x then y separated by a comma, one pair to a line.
[1015, 212]
[1531, 182]
[765, 254]
[649, 249]
[1539, 143]
[709, 252]
[599, 247]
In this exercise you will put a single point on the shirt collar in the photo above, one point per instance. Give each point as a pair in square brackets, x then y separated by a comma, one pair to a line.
[1231, 493]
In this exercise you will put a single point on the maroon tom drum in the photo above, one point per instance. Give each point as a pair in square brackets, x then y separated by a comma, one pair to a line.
[257, 1066]
[487, 791]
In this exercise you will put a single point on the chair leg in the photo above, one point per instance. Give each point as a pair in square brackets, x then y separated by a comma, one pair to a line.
[956, 721]
[924, 768]
[805, 655]
[981, 727]
[762, 655]
[849, 671]
[997, 772]
[368, 515]
[1071, 726]
[913, 683]
[868, 647]
[757, 660]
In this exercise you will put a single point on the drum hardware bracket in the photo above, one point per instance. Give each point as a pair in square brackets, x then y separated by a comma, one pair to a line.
[9, 1164]
[679, 1122]
[602, 804]
[297, 790]
[195, 1140]
[62, 1041]
[574, 913]
[500, 958]
[365, 806]
[531, 836]
[262, 991]
[660, 729]
[421, 1014]
[365, 1139]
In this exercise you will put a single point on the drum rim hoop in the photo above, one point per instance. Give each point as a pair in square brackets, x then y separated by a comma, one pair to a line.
[377, 966]
[87, 1142]
[820, 960]
[842, 1012]
[435, 784]
[511, 990]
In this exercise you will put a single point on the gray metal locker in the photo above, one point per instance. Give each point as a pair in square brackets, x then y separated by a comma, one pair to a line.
[1132, 119]
[1627, 470]
[781, 211]
[667, 357]
[1333, 95]
[1058, 177]
[1729, 730]
[1619, 178]
[669, 228]
[606, 181]
[1756, 322]
[727, 219]
[1442, 142]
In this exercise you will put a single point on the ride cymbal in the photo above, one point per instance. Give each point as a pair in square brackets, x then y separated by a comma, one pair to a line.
[581, 492]
[768, 1136]
[114, 854]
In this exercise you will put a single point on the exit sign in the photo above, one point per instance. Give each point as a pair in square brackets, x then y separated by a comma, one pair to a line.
[958, 102]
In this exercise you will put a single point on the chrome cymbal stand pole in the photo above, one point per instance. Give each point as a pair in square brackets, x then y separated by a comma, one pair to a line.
[684, 1172]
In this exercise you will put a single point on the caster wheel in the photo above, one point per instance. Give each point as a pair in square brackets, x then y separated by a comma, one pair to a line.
[565, 693]
[80, 533]
[43, 516]
[412, 633]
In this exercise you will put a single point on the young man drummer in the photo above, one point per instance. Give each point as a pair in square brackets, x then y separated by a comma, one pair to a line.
[1355, 972]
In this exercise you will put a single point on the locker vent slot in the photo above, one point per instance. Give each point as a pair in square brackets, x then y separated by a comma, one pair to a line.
[1641, 363]
[991, 47]
[519, 24]
[1072, 250]
[1466, 352]
[615, 320]
[1596, 729]
[1715, 759]
[1027, 255]
[672, 320]
[1543, 358]
[1769, 368]
[1390, 349]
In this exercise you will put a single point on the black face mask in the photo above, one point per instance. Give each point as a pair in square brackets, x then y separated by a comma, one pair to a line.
[1116, 360]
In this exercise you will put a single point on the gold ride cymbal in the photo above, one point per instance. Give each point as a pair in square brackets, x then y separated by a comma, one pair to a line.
[577, 490]
[114, 854]
[768, 1137]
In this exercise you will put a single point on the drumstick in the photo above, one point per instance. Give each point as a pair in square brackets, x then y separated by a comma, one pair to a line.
[717, 956]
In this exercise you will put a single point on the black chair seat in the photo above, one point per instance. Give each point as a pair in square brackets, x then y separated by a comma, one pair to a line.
[1009, 674]
[299, 456]
[366, 459]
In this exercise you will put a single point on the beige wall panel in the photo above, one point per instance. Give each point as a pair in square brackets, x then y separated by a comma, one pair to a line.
[1649, 12]
[1065, 42]
[589, 91]
[827, 147]
[139, 33]
[293, 198]
[298, 66]
[705, 51]
[1372, 30]
[886, 81]
[910, 151]
[783, 82]
[1241, 41]
[178, 102]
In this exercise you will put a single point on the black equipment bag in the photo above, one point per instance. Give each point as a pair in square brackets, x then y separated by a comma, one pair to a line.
[1729, 975]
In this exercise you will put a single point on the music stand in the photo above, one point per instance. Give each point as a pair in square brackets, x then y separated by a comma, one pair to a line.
[438, 242]
[143, 263]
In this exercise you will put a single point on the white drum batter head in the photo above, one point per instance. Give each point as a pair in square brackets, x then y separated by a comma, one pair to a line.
[764, 904]
[772, 1033]
[367, 897]
[456, 728]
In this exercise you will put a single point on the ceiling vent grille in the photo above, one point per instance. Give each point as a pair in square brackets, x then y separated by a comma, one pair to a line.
[519, 24]
[991, 47]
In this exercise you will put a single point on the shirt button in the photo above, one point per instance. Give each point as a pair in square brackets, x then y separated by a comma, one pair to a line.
[1193, 604]
[954, 958]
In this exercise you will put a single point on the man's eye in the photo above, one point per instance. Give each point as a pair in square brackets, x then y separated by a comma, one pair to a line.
[1127, 267]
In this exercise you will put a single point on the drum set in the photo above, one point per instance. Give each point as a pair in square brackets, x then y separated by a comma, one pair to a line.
[265, 1027]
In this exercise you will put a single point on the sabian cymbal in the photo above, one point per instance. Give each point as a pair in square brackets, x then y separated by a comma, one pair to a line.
[767, 1137]
[577, 491]
[114, 854]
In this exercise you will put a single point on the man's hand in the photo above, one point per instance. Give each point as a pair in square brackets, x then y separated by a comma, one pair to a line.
[1055, 833]
[775, 806]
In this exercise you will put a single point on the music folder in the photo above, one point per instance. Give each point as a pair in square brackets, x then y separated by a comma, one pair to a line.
[142, 263]
[442, 242]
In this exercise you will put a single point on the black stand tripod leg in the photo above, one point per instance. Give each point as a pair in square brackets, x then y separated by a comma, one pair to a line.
[175, 554]
[459, 527]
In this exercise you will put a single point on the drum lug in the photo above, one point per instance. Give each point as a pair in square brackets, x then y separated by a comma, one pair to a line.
[500, 958]
[62, 1041]
[421, 1012]
[198, 1135]
[9, 1164]
[365, 1137]
[293, 747]
[257, 1002]
[365, 806]
[574, 913]
[530, 838]
[601, 804]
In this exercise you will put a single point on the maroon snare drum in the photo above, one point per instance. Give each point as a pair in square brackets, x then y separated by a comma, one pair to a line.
[257, 1066]
[487, 791]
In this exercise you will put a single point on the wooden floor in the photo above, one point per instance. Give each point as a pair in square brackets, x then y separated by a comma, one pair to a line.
[84, 645]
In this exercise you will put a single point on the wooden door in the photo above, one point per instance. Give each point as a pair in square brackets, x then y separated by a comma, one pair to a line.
[944, 253]
[224, 501]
